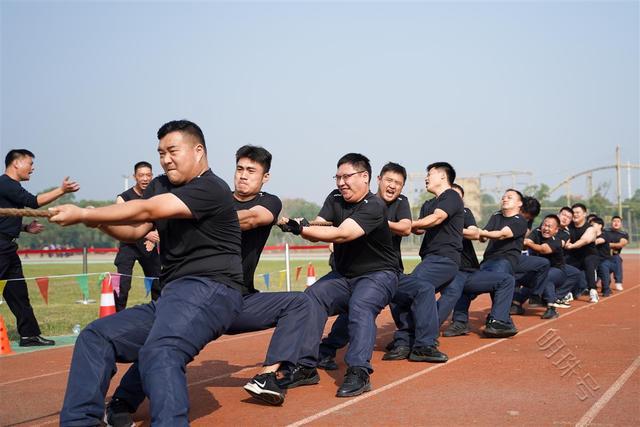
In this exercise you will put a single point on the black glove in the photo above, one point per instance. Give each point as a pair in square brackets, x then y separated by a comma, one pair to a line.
[293, 226]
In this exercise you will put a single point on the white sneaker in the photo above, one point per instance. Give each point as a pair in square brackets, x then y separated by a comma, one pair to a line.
[619, 287]
[568, 298]
[593, 295]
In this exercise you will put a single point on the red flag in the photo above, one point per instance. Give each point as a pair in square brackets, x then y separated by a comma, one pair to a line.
[43, 285]
[298, 271]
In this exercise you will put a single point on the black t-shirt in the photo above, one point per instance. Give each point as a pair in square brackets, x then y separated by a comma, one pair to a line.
[12, 195]
[207, 245]
[444, 239]
[508, 248]
[603, 249]
[469, 259]
[576, 233]
[556, 257]
[368, 253]
[615, 237]
[139, 246]
[253, 240]
[398, 210]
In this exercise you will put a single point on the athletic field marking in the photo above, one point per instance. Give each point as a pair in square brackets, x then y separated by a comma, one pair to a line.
[608, 395]
[34, 377]
[418, 374]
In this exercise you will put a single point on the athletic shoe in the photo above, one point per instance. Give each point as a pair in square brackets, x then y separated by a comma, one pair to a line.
[264, 387]
[400, 352]
[516, 309]
[456, 329]
[499, 329]
[327, 363]
[429, 353]
[299, 375]
[551, 313]
[356, 382]
[118, 414]
[593, 296]
[535, 301]
[560, 303]
[35, 341]
[568, 298]
[619, 287]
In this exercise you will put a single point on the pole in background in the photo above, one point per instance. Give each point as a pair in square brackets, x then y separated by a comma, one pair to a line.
[287, 266]
[85, 270]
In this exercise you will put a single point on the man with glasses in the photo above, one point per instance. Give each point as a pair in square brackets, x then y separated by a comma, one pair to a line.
[365, 276]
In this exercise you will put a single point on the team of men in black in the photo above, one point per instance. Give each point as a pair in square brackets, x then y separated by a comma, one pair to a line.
[211, 239]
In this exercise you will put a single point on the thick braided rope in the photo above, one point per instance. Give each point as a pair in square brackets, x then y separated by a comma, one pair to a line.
[25, 212]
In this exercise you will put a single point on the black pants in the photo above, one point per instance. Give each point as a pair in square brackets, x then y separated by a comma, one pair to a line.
[15, 292]
[589, 265]
[150, 263]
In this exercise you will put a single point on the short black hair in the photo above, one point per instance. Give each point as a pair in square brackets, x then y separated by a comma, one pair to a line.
[257, 154]
[578, 205]
[553, 217]
[448, 170]
[359, 161]
[459, 187]
[597, 220]
[141, 164]
[566, 208]
[394, 167]
[16, 154]
[531, 206]
[184, 126]
[616, 217]
[517, 192]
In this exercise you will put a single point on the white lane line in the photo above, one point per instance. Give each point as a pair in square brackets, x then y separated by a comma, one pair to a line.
[411, 377]
[608, 395]
[34, 377]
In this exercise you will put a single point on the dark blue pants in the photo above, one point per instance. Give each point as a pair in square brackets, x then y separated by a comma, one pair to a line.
[287, 311]
[162, 337]
[363, 297]
[556, 285]
[604, 273]
[499, 285]
[617, 270]
[531, 272]
[495, 265]
[414, 307]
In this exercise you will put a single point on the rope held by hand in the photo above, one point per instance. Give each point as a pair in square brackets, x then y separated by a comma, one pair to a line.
[25, 212]
[284, 220]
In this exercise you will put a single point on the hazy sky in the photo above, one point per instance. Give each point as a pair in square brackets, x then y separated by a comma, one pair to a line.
[547, 87]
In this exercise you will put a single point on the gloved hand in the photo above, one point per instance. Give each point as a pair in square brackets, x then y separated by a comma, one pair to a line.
[294, 226]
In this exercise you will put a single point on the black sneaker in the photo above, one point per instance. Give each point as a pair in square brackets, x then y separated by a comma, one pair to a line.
[551, 313]
[264, 387]
[400, 352]
[456, 329]
[535, 301]
[516, 309]
[299, 375]
[390, 345]
[499, 329]
[429, 353]
[356, 382]
[327, 363]
[560, 303]
[35, 341]
[118, 414]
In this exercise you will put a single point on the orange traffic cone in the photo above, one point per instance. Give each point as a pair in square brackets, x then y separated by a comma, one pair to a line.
[5, 345]
[311, 275]
[107, 302]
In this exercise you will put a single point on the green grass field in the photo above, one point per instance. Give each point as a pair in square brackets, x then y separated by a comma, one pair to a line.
[62, 313]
